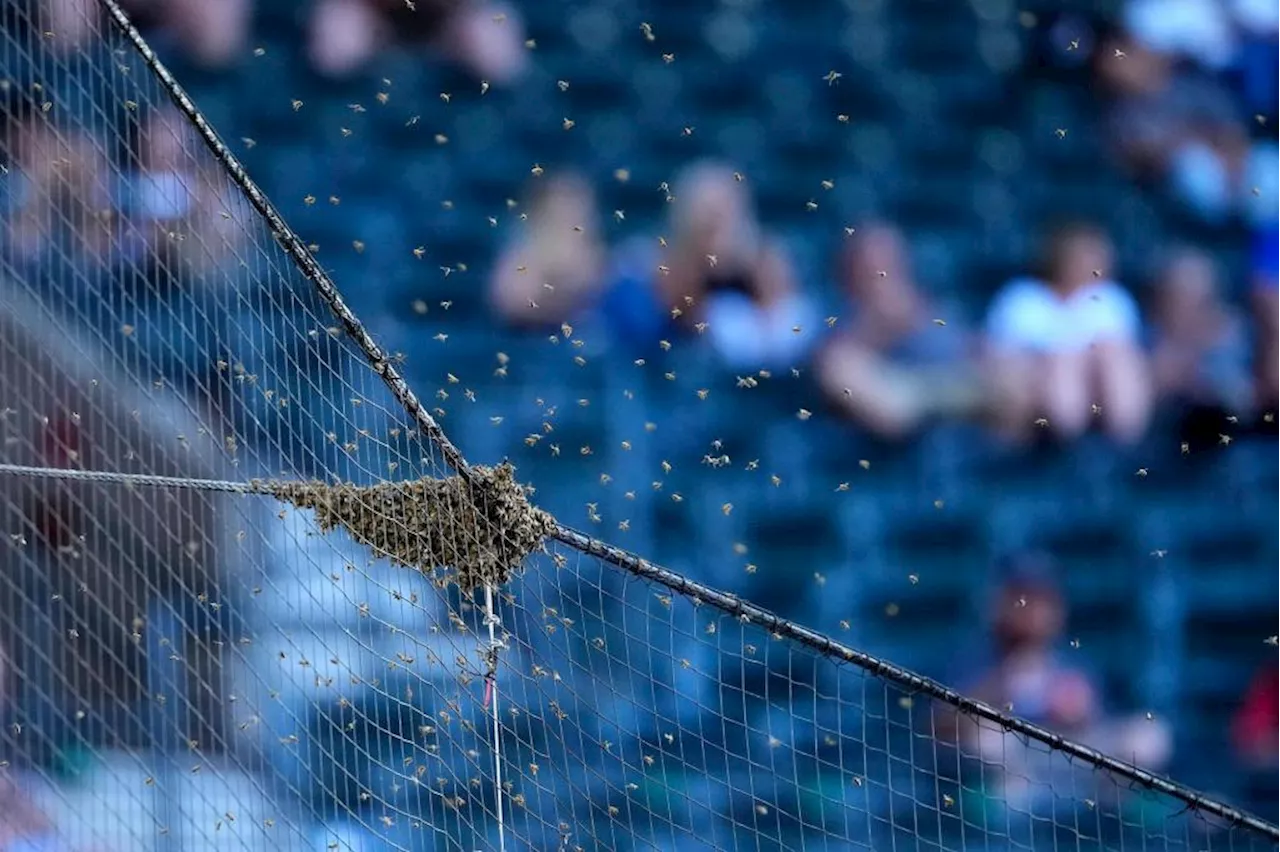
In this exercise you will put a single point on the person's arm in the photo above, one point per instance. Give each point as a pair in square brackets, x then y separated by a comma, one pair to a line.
[680, 276]
[1226, 369]
[72, 21]
[1012, 335]
[19, 817]
[516, 290]
[1072, 701]
[791, 322]
[868, 391]
[1172, 371]
[546, 282]
[1265, 306]
[1265, 262]
[775, 278]
[971, 673]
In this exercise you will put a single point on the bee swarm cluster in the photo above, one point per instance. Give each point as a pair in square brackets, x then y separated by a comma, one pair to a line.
[473, 531]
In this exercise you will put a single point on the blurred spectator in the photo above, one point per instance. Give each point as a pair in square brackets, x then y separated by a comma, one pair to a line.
[1200, 356]
[1066, 344]
[210, 32]
[487, 38]
[23, 826]
[891, 367]
[1200, 31]
[630, 306]
[1220, 37]
[715, 273]
[721, 275]
[55, 196]
[1258, 22]
[1175, 117]
[178, 210]
[1256, 730]
[1266, 270]
[552, 269]
[1026, 674]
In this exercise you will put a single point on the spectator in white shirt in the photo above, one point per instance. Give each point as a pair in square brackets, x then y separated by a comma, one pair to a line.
[1065, 347]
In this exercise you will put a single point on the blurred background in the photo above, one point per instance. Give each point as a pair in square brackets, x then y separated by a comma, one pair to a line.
[892, 316]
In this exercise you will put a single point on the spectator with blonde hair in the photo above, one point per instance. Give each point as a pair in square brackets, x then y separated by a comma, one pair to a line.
[551, 269]
[721, 273]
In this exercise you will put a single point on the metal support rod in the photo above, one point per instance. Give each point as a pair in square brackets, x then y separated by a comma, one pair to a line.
[491, 697]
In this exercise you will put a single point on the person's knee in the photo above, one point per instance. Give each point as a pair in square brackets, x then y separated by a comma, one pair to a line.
[1008, 388]
[1063, 391]
[1124, 389]
[1066, 408]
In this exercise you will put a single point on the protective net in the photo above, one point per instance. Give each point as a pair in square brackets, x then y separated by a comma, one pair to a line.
[251, 598]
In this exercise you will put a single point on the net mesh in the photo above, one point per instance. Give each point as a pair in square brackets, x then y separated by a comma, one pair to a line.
[185, 667]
